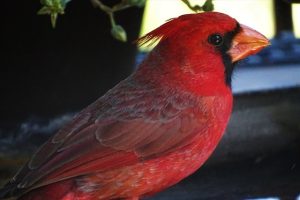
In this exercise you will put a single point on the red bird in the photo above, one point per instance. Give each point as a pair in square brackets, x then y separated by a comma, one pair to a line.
[154, 128]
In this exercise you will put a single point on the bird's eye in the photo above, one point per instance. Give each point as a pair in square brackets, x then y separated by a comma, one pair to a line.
[215, 39]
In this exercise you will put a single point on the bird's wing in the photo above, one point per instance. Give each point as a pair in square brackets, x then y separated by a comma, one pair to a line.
[128, 124]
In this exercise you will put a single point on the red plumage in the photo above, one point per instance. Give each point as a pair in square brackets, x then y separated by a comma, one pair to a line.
[147, 133]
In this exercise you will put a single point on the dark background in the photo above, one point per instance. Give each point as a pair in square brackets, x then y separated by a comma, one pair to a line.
[46, 71]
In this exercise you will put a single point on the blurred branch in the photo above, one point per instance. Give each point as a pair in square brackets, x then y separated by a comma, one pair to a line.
[57, 7]
[207, 6]
[54, 8]
[117, 31]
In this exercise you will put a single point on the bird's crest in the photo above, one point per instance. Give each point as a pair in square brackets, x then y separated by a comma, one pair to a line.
[163, 32]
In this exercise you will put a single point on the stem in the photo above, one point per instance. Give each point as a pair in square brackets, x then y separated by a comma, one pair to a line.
[120, 6]
[195, 8]
[112, 19]
[102, 6]
[110, 11]
[186, 2]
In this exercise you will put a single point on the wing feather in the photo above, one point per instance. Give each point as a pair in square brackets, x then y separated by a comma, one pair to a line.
[131, 122]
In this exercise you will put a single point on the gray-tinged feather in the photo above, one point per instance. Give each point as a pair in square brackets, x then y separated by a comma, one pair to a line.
[114, 121]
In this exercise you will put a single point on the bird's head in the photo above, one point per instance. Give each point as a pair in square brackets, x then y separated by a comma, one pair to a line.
[202, 48]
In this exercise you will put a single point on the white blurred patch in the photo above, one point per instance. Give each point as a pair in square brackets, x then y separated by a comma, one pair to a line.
[33, 126]
[265, 78]
[265, 198]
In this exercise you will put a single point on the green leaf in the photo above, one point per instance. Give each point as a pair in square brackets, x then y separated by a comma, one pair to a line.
[119, 33]
[47, 2]
[44, 11]
[53, 19]
[208, 6]
[53, 8]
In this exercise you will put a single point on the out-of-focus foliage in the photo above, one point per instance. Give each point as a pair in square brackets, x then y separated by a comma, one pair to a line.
[57, 7]
[117, 31]
[207, 6]
[53, 8]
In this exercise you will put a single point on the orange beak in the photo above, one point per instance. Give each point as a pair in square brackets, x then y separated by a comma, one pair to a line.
[247, 42]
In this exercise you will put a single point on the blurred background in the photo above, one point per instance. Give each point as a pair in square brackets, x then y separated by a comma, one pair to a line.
[47, 75]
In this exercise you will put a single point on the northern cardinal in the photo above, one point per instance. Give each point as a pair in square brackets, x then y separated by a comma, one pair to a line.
[152, 129]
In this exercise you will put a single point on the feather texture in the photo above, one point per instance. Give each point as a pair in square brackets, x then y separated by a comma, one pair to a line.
[131, 122]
